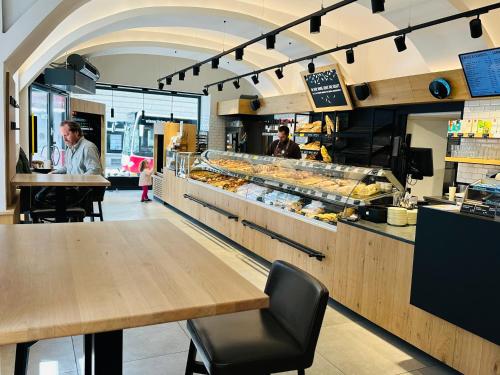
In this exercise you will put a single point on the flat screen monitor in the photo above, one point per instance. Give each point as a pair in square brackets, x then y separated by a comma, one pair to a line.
[326, 89]
[482, 72]
[420, 163]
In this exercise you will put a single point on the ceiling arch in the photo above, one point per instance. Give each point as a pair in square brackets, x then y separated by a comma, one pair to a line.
[247, 18]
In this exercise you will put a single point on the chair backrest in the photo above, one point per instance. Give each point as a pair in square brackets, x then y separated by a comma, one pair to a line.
[298, 301]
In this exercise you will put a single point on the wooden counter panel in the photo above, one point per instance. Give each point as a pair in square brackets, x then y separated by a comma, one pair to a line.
[367, 272]
[307, 234]
[372, 276]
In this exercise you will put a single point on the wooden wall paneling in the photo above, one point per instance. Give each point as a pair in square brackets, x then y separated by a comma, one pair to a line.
[10, 140]
[80, 105]
[400, 90]
[474, 355]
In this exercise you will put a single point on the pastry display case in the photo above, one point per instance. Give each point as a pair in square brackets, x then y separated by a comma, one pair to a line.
[313, 189]
[184, 162]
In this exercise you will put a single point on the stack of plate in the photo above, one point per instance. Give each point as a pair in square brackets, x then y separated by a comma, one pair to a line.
[412, 217]
[397, 216]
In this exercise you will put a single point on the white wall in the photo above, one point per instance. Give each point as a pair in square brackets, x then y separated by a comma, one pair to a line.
[430, 132]
[12, 10]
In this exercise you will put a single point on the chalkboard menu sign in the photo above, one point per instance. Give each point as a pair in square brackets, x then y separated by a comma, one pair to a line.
[482, 72]
[326, 89]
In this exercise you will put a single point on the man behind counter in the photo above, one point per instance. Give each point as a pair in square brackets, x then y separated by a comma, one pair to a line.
[284, 147]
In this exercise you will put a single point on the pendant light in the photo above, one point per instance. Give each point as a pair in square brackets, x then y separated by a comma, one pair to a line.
[112, 106]
[143, 111]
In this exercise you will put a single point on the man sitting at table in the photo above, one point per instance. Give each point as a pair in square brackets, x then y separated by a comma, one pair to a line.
[81, 157]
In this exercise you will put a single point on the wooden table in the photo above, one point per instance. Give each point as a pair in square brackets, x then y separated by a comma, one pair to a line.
[99, 278]
[60, 182]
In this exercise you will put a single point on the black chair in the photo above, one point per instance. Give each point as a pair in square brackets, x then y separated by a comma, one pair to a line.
[75, 214]
[96, 196]
[280, 338]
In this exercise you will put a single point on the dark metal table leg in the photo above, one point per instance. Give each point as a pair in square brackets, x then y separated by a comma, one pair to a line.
[88, 354]
[22, 356]
[60, 203]
[108, 353]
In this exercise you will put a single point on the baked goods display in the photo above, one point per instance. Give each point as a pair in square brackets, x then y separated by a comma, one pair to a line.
[311, 146]
[306, 179]
[314, 127]
[218, 180]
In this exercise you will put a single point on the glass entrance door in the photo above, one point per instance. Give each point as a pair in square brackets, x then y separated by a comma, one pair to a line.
[48, 108]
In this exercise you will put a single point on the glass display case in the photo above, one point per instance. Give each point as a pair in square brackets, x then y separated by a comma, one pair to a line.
[184, 162]
[317, 190]
[483, 198]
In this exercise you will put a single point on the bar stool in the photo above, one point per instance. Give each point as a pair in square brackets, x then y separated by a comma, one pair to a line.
[280, 338]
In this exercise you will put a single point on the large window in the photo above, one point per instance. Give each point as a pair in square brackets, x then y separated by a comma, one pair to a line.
[129, 135]
[48, 107]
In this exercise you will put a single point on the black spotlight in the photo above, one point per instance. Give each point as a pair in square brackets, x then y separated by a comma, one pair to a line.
[220, 86]
[112, 112]
[279, 73]
[349, 56]
[215, 63]
[400, 43]
[182, 75]
[255, 79]
[161, 85]
[270, 41]
[378, 6]
[311, 68]
[205, 91]
[315, 24]
[236, 84]
[476, 28]
[168, 80]
[196, 70]
[239, 54]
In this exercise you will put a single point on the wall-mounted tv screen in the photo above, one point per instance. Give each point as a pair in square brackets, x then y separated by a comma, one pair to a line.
[326, 89]
[482, 72]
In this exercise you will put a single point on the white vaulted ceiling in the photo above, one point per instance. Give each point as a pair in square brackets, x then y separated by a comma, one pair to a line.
[195, 29]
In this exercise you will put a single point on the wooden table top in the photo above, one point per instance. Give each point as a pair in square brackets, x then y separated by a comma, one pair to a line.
[38, 179]
[75, 278]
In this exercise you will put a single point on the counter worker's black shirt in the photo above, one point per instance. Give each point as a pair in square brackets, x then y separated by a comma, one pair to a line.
[292, 150]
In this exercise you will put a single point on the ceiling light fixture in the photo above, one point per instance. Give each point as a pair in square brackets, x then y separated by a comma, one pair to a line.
[215, 63]
[236, 84]
[182, 75]
[205, 91]
[220, 87]
[476, 28]
[315, 24]
[112, 106]
[196, 70]
[168, 81]
[271, 41]
[400, 43]
[255, 79]
[311, 67]
[239, 54]
[279, 73]
[161, 85]
[349, 56]
[378, 6]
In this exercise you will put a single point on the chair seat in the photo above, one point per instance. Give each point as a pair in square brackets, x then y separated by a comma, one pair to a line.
[245, 343]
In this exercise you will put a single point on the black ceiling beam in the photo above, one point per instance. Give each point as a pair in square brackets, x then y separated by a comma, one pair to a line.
[404, 31]
[320, 12]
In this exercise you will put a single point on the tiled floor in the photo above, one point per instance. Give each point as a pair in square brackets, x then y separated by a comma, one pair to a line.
[348, 344]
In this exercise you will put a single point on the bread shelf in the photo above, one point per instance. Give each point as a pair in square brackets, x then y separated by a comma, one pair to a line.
[473, 160]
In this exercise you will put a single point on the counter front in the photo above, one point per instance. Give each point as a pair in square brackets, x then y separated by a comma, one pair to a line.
[367, 267]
